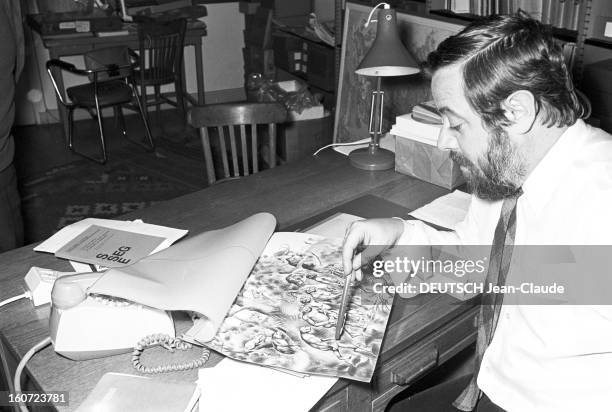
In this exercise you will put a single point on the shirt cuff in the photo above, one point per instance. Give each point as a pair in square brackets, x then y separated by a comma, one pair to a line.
[408, 232]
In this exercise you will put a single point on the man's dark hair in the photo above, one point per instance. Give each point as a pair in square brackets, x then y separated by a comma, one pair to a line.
[503, 54]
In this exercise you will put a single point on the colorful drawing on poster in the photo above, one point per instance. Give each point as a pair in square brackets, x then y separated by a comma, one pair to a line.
[285, 316]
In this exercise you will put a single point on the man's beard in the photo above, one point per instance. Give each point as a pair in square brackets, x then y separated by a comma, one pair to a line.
[499, 173]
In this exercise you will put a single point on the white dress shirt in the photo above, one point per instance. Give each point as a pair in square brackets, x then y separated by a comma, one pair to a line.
[548, 357]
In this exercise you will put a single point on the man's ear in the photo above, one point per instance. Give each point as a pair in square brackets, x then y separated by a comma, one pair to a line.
[520, 110]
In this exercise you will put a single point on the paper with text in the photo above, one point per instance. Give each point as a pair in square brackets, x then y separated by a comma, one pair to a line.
[109, 247]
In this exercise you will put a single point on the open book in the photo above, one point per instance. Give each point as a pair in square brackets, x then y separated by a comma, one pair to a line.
[269, 299]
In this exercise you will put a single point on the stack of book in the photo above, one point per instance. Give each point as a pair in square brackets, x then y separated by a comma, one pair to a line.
[416, 148]
[423, 124]
[486, 7]
[427, 113]
[558, 13]
[561, 13]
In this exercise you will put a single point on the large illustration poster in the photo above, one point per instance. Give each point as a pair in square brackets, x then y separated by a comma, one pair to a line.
[285, 316]
[420, 36]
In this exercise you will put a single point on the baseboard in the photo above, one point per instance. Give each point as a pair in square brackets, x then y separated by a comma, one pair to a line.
[213, 96]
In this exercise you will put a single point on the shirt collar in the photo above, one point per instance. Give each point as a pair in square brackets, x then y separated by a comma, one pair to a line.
[547, 176]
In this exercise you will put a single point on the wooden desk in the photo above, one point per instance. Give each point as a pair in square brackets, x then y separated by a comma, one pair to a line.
[74, 46]
[423, 332]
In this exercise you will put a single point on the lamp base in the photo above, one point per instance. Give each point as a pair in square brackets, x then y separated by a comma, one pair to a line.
[372, 158]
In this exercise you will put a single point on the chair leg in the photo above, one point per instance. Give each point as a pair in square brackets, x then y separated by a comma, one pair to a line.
[144, 100]
[180, 98]
[71, 145]
[143, 116]
[158, 99]
[102, 140]
[120, 119]
[70, 127]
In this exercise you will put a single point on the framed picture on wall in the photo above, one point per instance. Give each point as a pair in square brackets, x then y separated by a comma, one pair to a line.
[420, 36]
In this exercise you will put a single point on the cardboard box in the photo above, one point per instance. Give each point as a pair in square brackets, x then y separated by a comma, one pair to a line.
[427, 163]
[302, 138]
[314, 112]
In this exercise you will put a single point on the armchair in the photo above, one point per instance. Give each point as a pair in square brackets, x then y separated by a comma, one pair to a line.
[110, 72]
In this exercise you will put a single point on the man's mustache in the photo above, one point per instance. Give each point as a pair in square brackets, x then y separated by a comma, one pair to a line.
[460, 159]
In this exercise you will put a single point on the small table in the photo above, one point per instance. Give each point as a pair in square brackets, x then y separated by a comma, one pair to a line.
[59, 46]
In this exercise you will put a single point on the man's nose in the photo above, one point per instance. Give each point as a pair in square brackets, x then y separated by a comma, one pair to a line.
[446, 141]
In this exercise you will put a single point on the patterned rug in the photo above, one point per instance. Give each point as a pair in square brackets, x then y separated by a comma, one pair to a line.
[131, 180]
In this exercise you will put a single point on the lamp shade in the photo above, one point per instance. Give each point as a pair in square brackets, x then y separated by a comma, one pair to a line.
[387, 55]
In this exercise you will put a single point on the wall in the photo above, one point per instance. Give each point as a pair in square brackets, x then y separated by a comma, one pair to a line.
[223, 66]
[222, 48]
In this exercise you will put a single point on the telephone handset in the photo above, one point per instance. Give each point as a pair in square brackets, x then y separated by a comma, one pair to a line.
[87, 326]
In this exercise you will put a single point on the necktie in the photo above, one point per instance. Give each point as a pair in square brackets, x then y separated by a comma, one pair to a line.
[499, 264]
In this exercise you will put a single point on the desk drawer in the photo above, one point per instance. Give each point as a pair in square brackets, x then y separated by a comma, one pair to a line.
[408, 366]
[403, 369]
[337, 402]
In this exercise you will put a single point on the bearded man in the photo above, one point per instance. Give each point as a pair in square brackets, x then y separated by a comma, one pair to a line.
[539, 175]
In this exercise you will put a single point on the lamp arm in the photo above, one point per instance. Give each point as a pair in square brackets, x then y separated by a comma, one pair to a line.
[372, 112]
[376, 113]
[386, 6]
[380, 114]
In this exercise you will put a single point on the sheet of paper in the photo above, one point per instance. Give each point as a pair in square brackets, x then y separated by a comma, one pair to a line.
[109, 247]
[386, 142]
[86, 267]
[202, 274]
[66, 234]
[286, 313]
[123, 392]
[446, 211]
[237, 386]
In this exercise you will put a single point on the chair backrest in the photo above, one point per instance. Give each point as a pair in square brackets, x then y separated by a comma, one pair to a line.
[161, 48]
[109, 58]
[223, 121]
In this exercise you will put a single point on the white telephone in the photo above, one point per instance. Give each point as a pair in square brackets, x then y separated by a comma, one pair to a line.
[87, 326]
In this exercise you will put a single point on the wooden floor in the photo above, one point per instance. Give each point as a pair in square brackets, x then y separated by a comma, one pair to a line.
[43, 147]
[44, 162]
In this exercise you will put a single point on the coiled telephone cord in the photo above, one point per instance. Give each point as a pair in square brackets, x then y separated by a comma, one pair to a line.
[171, 344]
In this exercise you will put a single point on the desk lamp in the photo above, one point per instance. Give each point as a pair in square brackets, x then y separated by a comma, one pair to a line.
[387, 57]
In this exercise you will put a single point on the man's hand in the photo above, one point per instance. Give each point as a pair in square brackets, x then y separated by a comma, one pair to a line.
[382, 233]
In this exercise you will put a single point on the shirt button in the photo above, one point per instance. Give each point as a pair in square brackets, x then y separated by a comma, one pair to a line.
[507, 316]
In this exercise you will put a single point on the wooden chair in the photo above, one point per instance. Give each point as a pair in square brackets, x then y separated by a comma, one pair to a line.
[161, 46]
[222, 120]
[110, 71]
